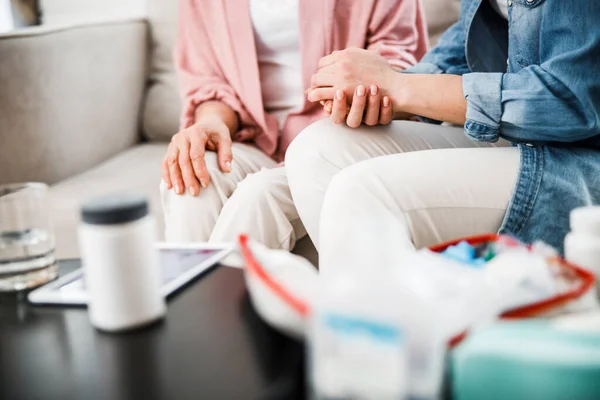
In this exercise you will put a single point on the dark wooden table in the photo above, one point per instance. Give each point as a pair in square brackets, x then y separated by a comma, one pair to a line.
[212, 345]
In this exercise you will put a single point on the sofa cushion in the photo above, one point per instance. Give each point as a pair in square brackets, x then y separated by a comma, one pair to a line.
[161, 109]
[135, 171]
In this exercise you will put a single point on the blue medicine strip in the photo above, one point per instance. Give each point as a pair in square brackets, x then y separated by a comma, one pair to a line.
[464, 253]
[359, 326]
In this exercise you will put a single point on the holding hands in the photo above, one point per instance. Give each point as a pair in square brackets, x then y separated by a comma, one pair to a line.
[354, 85]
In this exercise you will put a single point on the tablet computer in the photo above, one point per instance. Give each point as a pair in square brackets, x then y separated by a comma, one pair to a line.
[179, 264]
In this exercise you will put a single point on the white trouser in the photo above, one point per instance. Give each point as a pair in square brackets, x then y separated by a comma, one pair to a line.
[254, 198]
[434, 184]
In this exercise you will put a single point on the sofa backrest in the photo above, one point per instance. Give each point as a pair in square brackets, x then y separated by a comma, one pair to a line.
[160, 118]
[160, 115]
[440, 15]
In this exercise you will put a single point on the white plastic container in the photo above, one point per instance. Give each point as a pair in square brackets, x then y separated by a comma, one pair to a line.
[121, 265]
[370, 336]
[582, 244]
[358, 346]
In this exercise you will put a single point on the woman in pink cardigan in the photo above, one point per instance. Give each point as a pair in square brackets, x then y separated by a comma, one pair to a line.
[244, 66]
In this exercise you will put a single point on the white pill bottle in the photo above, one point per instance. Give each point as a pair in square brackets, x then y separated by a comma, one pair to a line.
[582, 244]
[117, 240]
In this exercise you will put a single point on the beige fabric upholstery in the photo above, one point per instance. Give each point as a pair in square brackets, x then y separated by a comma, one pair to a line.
[69, 98]
[440, 15]
[161, 110]
[162, 105]
[134, 171]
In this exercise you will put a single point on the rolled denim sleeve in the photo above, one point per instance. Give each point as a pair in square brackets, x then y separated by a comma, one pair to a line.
[483, 92]
[555, 101]
[539, 104]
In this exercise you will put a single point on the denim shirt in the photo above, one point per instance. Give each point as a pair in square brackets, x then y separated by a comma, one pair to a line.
[535, 81]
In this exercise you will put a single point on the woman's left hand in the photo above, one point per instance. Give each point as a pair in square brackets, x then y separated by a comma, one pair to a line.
[347, 69]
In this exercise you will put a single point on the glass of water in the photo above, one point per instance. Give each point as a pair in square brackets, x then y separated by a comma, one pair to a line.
[26, 237]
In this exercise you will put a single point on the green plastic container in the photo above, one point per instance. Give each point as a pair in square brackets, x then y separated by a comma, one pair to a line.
[527, 360]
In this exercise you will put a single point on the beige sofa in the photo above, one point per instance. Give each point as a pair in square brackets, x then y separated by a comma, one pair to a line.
[88, 109]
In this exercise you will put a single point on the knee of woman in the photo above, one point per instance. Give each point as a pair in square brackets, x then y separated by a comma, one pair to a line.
[353, 205]
[314, 141]
[254, 189]
[185, 205]
[344, 185]
[173, 204]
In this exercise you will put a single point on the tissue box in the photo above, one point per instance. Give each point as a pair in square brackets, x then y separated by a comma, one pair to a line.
[527, 360]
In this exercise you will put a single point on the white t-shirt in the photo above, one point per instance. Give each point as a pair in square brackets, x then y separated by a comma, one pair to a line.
[501, 7]
[277, 37]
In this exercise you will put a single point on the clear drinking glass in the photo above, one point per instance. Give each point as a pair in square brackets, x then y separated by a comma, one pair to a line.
[26, 237]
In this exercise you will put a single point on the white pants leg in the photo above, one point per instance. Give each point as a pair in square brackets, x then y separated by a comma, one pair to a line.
[193, 218]
[261, 207]
[460, 192]
[324, 149]
[254, 198]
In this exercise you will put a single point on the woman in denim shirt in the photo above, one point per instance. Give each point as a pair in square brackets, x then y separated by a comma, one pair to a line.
[521, 79]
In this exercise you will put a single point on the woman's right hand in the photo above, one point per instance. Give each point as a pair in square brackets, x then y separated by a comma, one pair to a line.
[184, 166]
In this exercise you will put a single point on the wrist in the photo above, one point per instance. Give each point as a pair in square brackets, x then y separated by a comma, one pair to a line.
[209, 119]
[400, 93]
[214, 123]
[216, 114]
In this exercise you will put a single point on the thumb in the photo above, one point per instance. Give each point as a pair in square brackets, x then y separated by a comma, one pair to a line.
[224, 154]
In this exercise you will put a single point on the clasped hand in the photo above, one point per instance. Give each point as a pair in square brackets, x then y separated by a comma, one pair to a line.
[353, 85]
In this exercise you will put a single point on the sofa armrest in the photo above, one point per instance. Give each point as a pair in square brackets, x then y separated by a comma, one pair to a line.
[70, 97]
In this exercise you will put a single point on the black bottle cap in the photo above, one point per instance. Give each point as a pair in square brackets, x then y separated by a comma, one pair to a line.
[113, 210]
